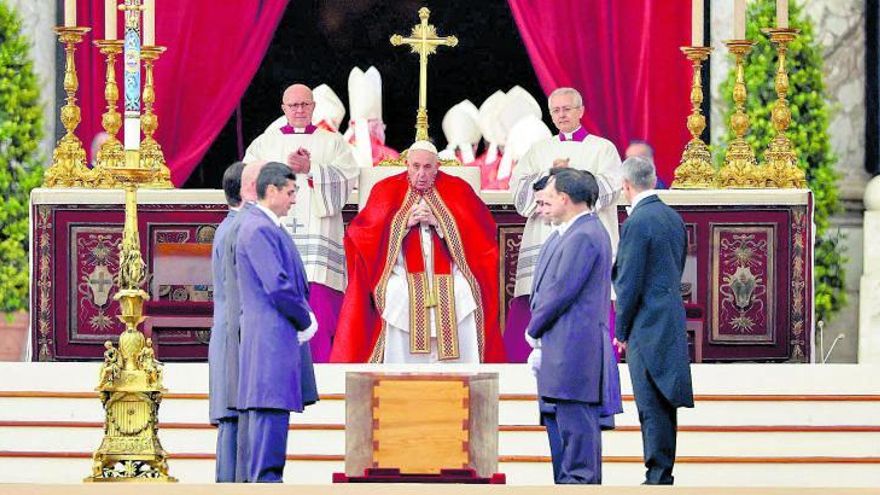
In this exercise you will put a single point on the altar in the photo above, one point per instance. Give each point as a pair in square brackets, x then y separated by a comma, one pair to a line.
[747, 281]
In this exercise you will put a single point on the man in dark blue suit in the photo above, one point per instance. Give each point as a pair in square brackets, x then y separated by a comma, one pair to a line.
[650, 323]
[275, 321]
[225, 419]
[570, 304]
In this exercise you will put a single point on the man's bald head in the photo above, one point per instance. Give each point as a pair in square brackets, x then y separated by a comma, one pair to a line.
[249, 181]
[298, 104]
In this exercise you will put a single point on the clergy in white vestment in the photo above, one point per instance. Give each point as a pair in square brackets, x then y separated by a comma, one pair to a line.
[573, 147]
[324, 165]
[423, 272]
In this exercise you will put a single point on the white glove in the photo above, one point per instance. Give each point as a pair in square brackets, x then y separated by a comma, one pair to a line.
[534, 361]
[533, 342]
[307, 334]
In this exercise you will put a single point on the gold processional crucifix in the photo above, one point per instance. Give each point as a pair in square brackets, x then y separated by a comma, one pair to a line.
[424, 41]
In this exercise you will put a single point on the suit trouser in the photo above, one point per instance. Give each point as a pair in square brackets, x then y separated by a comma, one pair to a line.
[659, 421]
[548, 420]
[581, 443]
[227, 447]
[262, 449]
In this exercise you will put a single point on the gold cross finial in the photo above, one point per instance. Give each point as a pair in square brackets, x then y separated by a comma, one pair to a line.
[424, 41]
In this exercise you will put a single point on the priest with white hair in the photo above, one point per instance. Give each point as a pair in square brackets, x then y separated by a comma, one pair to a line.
[327, 173]
[573, 147]
[423, 263]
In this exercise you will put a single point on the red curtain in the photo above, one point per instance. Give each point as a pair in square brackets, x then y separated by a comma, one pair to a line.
[213, 50]
[624, 57]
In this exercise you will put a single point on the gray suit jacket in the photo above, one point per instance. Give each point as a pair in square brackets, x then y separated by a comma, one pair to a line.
[570, 304]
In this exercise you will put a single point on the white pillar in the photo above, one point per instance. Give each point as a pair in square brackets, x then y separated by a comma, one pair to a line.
[869, 291]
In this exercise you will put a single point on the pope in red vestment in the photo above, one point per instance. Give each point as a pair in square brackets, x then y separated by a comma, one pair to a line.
[405, 215]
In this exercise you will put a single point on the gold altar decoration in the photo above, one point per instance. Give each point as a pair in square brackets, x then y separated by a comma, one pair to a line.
[695, 170]
[423, 40]
[69, 158]
[130, 379]
[780, 168]
[740, 168]
[111, 154]
[151, 153]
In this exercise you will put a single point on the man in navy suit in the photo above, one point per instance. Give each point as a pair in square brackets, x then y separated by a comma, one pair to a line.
[650, 323]
[225, 419]
[570, 304]
[275, 321]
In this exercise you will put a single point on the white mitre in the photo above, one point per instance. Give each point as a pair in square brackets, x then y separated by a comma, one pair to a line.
[487, 125]
[518, 104]
[328, 107]
[364, 104]
[462, 130]
[525, 133]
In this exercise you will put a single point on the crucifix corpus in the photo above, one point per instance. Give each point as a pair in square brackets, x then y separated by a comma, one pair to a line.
[424, 41]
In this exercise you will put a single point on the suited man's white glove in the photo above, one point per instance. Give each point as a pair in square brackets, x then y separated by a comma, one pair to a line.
[307, 334]
[533, 342]
[534, 361]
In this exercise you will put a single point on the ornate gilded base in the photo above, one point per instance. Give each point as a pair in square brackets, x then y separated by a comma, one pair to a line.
[740, 168]
[152, 158]
[695, 170]
[780, 167]
[68, 164]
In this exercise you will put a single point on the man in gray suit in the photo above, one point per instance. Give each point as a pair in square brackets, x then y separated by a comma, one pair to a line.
[570, 304]
[225, 419]
[650, 323]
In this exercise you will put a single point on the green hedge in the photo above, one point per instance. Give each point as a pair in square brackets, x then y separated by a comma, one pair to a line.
[808, 132]
[21, 128]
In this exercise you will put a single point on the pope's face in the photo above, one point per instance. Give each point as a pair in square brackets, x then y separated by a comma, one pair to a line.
[298, 106]
[421, 169]
[280, 199]
[565, 111]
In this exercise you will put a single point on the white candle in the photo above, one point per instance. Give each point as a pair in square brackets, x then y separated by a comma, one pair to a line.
[782, 13]
[739, 19]
[110, 19]
[697, 23]
[69, 13]
[149, 22]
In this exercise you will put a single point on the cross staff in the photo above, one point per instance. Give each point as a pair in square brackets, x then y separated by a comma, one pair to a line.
[424, 41]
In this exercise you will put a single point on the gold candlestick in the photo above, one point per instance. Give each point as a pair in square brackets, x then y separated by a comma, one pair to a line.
[740, 168]
[111, 154]
[780, 167]
[69, 158]
[695, 170]
[151, 152]
[130, 379]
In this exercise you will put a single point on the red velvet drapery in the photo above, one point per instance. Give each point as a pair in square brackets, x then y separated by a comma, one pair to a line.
[623, 56]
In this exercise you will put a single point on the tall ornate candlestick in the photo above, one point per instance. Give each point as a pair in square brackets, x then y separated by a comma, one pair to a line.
[130, 379]
[740, 168]
[69, 158]
[695, 170]
[111, 153]
[151, 153]
[780, 167]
